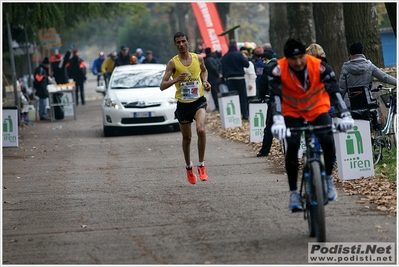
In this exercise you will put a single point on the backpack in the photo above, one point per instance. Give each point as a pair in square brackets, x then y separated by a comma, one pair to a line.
[360, 97]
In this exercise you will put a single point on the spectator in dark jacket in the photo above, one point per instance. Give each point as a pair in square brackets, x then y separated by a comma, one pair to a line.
[59, 69]
[80, 80]
[123, 57]
[214, 67]
[40, 84]
[149, 57]
[268, 59]
[73, 65]
[233, 64]
[258, 64]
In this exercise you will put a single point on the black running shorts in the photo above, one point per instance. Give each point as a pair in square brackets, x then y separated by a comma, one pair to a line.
[185, 112]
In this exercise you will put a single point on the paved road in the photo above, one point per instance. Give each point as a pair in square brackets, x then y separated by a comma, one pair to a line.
[71, 196]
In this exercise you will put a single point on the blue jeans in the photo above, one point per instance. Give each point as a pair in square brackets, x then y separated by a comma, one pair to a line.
[42, 108]
[239, 85]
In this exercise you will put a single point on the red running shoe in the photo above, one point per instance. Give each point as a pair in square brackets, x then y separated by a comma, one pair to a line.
[202, 173]
[191, 177]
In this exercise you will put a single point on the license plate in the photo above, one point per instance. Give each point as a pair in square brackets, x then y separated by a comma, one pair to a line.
[141, 114]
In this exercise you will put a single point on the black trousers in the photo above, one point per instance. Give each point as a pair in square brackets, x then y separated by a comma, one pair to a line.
[80, 89]
[214, 92]
[267, 133]
[326, 141]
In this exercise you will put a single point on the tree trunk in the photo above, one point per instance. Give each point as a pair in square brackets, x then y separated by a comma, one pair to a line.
[173, 20]
[300, 19]
[181, 11]
[391, 10]
[279, 27]
[223, 9]
[331, 16]
[361, 25]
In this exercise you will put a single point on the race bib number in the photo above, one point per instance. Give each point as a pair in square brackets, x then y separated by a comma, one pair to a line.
[190, 90]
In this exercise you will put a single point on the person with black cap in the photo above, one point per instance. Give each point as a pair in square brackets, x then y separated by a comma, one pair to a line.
[268, 60]
[40, 83]
[123, 57]
[302, 88]
[233, 64]
[358, 72]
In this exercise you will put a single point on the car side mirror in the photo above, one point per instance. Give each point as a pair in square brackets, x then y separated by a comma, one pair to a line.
[100, 89]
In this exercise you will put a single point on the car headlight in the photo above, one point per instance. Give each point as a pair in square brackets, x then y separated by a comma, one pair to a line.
[110, 103]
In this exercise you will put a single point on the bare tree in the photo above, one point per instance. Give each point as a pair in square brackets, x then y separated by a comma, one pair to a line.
[391, 10]
[331, 16]
[361, 25]
[279, 28]
[300, 18]
[223, 9]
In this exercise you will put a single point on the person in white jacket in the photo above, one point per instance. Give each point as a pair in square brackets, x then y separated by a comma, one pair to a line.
[250, 76]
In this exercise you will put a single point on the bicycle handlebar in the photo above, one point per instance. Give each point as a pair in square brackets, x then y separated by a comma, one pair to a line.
[313, 128]
[381, 87]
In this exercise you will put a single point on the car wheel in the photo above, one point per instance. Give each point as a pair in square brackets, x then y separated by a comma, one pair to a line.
[108, 131]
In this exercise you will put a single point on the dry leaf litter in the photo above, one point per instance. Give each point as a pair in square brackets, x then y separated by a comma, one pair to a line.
[377, 192]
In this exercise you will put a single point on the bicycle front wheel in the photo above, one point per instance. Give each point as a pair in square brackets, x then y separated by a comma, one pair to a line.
[318, 206]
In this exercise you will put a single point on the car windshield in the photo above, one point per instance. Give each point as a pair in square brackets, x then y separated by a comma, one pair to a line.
[137, 79]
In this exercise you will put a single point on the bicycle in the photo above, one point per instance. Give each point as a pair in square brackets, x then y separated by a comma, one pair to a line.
[389, 100]
[313, 189]
[369, 111]
[102, 81]
[380, 135]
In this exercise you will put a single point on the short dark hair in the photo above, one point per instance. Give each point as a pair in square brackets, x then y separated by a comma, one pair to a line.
[179, 34]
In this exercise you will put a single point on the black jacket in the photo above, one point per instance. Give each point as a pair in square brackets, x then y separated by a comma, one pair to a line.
[233, 63]
[73, 68]
[214, 68]
[59, 69]
[264, 82]
[122, 60]
[40, 81]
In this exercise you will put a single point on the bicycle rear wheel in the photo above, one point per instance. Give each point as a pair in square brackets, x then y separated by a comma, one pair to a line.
[394, 125]
[377, 150]
[318, 198]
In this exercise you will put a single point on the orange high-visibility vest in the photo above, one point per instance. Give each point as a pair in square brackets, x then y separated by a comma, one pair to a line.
[39, 78]
[298, 101]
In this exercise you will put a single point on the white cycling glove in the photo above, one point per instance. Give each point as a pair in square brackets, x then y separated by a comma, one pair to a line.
[346, 122]
[278, 127]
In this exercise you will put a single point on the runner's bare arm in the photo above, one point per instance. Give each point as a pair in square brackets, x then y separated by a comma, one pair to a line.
[166, 81]
[204, 74]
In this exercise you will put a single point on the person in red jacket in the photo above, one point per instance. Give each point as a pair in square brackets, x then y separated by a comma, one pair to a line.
[302, 88]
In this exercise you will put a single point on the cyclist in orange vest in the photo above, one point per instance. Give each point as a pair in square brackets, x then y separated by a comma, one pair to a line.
[302, 88]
